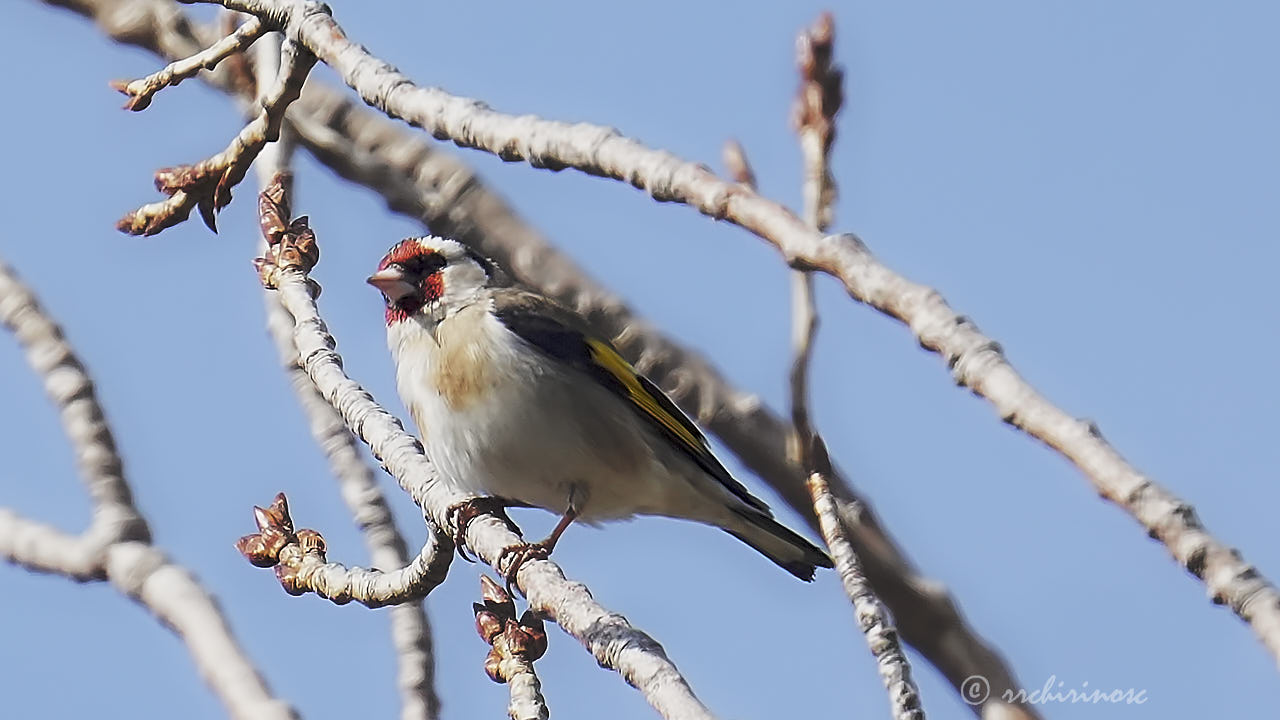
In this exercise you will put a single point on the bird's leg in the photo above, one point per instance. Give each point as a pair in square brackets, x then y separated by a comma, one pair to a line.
[565, 521]
[540, 550]
[464, 512]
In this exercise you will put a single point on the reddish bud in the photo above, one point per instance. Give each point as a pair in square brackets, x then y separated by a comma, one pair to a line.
[488, 624]
[493, 667]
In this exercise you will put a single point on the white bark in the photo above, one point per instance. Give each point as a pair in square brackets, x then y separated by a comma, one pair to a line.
[117, 545]
[817, 103]
[410, 628]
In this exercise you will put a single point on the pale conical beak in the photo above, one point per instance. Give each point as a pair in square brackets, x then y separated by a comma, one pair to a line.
[392, 282]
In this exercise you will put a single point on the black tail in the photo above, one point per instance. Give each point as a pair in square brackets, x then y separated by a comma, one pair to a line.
[784, 547]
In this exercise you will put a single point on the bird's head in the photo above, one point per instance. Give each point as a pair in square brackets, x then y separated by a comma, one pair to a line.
[430, 278]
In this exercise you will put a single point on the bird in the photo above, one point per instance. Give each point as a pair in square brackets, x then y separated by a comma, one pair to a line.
[518, 401]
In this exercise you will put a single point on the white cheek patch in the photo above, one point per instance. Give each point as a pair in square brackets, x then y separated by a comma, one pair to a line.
[463, 282]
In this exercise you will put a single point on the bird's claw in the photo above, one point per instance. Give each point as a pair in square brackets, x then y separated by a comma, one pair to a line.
[519, 555]
[464, 512]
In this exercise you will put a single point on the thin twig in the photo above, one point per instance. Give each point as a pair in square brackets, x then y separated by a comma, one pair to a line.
[817, 103]
[116, 546]
[141, 91]
[43, 548]
[299, 558]
[207, 184]
[411, 634]
[874, 620]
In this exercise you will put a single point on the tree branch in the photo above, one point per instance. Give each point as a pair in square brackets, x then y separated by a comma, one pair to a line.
[208, 184]
[69, 387]
[302, 566]
[410, 627]
[46, 549]
[141, 91]
[116, 546]
[818, 101]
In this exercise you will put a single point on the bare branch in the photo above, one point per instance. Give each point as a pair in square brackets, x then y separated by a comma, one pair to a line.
[46, 549]
[208, 184]
[68, 386]
[976, 361]
[141, 91]
[302, 567]
[804, 329]
[410, 629]
[299, 556]
[873, 619]
[179, 601]
[817, 103]
[818, 100]
[614, 642]
[116, 547]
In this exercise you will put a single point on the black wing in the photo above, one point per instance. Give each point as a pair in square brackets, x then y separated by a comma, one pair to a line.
[559, 334]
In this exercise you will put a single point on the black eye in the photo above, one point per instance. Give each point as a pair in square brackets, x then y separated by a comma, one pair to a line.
[423, 264]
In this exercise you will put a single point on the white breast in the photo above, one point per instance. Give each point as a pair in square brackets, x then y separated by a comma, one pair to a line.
[498, 418]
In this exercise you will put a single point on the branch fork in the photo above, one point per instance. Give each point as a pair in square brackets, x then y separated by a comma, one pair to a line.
[207, 185]
[117, 546]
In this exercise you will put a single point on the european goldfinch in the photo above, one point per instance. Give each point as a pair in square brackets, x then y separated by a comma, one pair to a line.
[516, 399]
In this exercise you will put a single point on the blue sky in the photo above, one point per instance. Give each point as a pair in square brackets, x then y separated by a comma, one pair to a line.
[1094, 183]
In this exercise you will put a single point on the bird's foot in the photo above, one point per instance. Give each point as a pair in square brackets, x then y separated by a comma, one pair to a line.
[464, 512]
[515, 556]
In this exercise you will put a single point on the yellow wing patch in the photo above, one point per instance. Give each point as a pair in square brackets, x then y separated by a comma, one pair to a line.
[607, 358]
